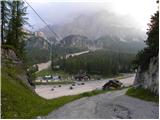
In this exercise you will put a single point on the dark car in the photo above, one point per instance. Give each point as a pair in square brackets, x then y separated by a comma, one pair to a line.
[112, 84]
[82, 77]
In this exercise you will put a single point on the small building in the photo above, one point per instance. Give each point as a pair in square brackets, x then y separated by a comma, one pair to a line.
[81, 77]
[112, 84]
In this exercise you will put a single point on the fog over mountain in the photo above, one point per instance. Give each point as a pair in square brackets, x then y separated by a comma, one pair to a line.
[97, 24]
[111, 25]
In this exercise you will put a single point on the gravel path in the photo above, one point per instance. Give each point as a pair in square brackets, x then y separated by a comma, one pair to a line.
[42, 66]
[108, 106]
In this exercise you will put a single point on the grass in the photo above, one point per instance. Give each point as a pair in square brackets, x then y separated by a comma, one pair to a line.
[142, 94]
[18, 101]
[50, 72]
[123, 77]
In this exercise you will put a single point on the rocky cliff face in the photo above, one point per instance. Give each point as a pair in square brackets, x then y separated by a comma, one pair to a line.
[76, 41]
[12, 66]
[149, 79]
[37, 42]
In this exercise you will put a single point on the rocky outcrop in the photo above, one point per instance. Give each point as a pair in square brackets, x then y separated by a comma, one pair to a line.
[149, 79]
[37, 42]
[8, 54]
[76, 41]
[13, 66]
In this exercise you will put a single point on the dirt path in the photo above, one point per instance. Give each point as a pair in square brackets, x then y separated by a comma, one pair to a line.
[110, 105]
[42, 66]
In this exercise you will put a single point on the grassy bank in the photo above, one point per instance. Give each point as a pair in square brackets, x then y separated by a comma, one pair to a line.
[18, 101]
[142, 94]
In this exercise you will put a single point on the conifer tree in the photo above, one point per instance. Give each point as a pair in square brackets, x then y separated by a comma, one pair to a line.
[16, 34]
[152, 50]
[4, 20]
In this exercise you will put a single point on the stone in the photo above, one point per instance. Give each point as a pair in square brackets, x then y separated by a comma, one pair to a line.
[149, 79]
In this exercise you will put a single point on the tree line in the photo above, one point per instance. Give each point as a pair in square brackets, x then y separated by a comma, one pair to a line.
[100, 62]
[13, 19]
[152, 50]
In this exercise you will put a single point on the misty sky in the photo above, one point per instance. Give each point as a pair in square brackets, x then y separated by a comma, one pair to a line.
[61, 11]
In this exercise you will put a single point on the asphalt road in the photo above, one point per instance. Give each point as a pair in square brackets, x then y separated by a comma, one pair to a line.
[110, 105]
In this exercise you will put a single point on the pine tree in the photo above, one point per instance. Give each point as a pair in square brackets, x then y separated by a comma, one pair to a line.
[4, 20]
[153, 34]
[11, 25]
[16, 34]
[144, 56]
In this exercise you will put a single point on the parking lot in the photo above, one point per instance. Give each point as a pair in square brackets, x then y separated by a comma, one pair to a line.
[54, 91]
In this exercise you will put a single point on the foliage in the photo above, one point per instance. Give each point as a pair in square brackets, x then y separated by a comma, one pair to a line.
[152, 42]
[13, 18]
[7, 47]
[99, 62]
[34, 45]
[142, 94]
[4, 20]
[58, 50]
[33, 58]
[31, 73]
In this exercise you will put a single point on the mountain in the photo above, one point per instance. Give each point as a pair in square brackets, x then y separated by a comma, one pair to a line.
[37, 50]
[118, 44]
[37, 43]
[77, 41]
[111, 43]
[97, 30]
[98, 24]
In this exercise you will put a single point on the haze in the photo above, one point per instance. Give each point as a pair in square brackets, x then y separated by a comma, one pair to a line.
[62, 11]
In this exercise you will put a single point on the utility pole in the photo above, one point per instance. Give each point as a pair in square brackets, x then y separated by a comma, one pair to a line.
[51, 53]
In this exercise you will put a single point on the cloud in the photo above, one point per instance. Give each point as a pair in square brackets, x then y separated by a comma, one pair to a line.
[61, 11]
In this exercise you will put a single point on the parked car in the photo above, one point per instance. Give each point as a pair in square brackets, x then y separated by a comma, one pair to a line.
[81, 77]
[112, 84]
